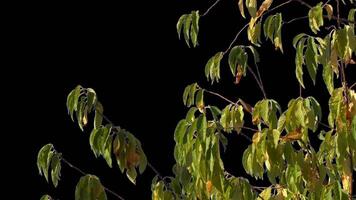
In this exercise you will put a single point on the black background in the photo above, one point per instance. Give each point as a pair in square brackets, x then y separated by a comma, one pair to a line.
[128, 51]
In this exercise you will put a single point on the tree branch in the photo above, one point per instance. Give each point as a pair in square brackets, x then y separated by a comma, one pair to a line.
[304, 3]
[211, 7]
[83, 173]
[219, 95]
[258, 82]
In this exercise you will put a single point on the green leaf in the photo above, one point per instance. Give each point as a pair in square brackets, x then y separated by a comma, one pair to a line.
[342, 42]
[255, 54]
[247, 161]
[118, 150]
[186, 30]
[299, 60]
[215, 111]
[194, 31]
[93, 139]
[91, 98]
[297, 38]
[131, 174]
[89, 187]
[241, 8]
[56, 168]
[98, 118]
[328, 75]
[44, 155]
[180, 130]
[202, 125]
[180, 23]
[102, 138]
[143, 162]
[311, 58]
[46, 197]
[212, 67]
[193, 89]
[254, 33]
[199, 101]
[315, 15]
[190, 117]
[237, 56]
[335, 106]
[251, 7]
[217, 179]
[277, 40]
[265, 194]
[351, 16]
[275, 136]
[107, 150]
[268, 27]
[72, 100]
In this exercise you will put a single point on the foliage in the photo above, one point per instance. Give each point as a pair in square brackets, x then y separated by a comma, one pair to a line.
[280, 147]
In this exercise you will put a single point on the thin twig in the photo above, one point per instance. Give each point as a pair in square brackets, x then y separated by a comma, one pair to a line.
[248, 128]
[295, 19]
[236, 36]
[155, 170]
[304, 3]
[259, 76]
[353, 85]
[325, 125]
[300, 90]
[211, 7]
[258, 82]
[245, 136]
[219, 95]
[83, 173]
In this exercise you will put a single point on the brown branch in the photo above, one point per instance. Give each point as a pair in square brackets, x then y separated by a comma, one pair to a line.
[211, 7]
[83, 173]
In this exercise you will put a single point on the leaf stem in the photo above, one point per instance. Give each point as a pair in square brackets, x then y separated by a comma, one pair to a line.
[83, 173]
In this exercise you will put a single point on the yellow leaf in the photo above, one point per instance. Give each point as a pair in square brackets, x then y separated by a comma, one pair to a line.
[256, 137]
[293, 136]
[329, 10]
[265, 5]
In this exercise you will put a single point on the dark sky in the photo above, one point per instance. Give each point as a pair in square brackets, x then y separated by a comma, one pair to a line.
[129, 53]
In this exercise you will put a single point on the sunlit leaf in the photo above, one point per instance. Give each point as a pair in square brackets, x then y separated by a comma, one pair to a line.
[241, 8]
[89, 187]
[316, 17]
[251, 7]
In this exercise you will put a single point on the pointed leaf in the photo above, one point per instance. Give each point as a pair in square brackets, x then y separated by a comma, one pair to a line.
[241, 8]
[186, 30]
[311, 58]
[89, 187]
[180, 23]
[56, 168]
[98, 118]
